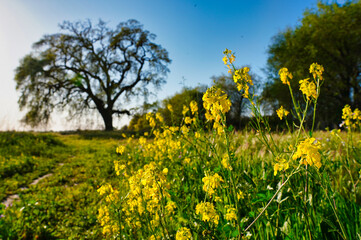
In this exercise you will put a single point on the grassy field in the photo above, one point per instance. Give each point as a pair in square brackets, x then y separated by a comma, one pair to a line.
[63, 205]
[66, 204]
[199, 180]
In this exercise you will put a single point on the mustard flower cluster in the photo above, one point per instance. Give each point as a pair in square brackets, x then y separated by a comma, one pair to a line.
[281, 112]
[211, 183]
[147, 188]
[281, 165]
[316, 70]
[119, 167]
[109, 225]
[149, 117]
[194, 107]
[285, 75]
[308, 88]
[207, 212]
[240, 76]
[228, 59]
[231, 213]
[183, 234]
[225, 162]
[216, 103]
[243, 80]
[120, 150]
[351, 118]
[308, 152]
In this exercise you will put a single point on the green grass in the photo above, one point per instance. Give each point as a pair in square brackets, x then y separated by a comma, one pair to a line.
[65, 205]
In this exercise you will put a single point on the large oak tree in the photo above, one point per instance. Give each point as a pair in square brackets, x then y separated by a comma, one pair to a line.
[88, 67]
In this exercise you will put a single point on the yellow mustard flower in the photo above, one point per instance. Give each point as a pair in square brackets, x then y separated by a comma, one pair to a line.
[281, 165]
[211, 183]
[308, 88]
[285, 75]
[207, 212]
[243, 80]
[308, 152]
[316, 70]
[120, 149]
[170, 207]
[240, 195]
[194, 106]
[118, 167]
[351, 119]
[188, 120]
[281, 112]
[183, 234]
[216, 103]
[230, 213]
[170, 108]
[151, 119]
[159, 117]
[185, 110]
[225, 162]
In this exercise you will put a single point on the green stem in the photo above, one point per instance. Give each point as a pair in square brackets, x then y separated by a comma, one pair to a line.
[273, 197]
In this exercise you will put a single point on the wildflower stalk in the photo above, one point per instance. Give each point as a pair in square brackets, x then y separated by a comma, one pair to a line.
[334, 211]
[273, 197]
[230, 172]
[315, 104]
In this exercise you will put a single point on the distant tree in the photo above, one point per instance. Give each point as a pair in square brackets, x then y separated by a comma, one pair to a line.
[89, 67]
[177, 101]
[331, 36]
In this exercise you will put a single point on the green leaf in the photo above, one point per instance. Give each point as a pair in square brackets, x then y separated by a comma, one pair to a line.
[235, 233]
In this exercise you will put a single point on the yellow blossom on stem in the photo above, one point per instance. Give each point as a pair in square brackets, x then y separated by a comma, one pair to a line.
[185, 110]
[183, 234]
[316, 70]
[170, 207]
[225, 162]
[351, 119]
[211, 183]
[216, 103]
[207, 212]
[118, 167]
[243, 80]
[120, 149]
[307, 152]
[240, 195]
[159, 117]
[151, 119]
[281, 165]
[188, 120]
[308, 88]
[281, 112]
[285, 75]
[230, 213]
[194, 106]
[228, 59]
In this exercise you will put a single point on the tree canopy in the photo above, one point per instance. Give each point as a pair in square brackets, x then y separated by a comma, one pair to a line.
[331, 36]
[89, 67]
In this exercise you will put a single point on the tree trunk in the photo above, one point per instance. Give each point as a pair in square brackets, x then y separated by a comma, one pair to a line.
[108, 120]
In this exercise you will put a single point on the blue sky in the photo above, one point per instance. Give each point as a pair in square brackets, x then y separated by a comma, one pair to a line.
[195, 33]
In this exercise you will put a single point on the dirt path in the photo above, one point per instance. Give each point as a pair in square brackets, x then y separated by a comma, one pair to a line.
[11, 198]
